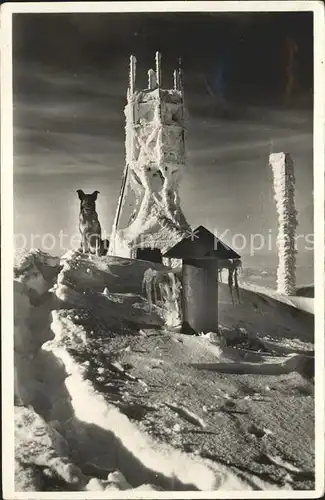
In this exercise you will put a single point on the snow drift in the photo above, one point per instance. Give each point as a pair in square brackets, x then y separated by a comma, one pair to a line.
[80, 324]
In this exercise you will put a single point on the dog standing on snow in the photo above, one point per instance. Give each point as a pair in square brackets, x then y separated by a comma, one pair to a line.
[89, 225]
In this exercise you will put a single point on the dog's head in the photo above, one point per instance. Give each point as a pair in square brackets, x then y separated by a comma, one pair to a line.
[87, 201]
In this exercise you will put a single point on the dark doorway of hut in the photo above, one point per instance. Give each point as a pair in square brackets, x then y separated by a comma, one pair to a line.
[149, 254]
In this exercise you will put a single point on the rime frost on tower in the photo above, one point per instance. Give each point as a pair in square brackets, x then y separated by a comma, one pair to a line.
[155, 157]
[284, 194]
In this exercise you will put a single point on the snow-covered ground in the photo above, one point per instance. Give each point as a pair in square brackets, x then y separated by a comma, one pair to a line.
[107, 398]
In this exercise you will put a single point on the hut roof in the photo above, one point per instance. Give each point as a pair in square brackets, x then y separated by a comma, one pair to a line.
[201, 244]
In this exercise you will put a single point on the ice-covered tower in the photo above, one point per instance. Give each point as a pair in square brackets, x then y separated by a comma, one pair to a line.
[284, 194]
[155, 157]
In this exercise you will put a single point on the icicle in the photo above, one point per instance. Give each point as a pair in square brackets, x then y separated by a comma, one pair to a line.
[155, 297]
[236, 284]
[230, 282]
[147, 284]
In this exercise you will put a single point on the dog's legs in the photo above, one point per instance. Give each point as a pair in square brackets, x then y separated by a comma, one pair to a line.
[97, 248]
[85, 244]
[81, 249]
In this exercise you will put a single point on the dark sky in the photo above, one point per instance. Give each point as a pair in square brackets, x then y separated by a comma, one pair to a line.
[70, 79]
[252, 44]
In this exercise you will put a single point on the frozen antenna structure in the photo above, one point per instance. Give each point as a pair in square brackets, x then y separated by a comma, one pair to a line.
[284, 194]
[155, 159]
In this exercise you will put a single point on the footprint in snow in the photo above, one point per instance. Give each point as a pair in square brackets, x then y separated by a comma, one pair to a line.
[257, 431]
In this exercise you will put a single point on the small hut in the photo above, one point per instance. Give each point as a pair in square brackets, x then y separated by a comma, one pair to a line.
[200, 252]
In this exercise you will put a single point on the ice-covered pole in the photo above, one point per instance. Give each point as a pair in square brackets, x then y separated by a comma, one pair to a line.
[180, 76]
[158, 68]
[176, 80]
[152, 80]
[129, 150]
[132, 74]
[181, 88]
[284, 194]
